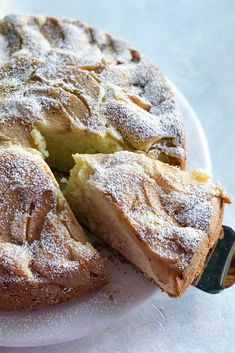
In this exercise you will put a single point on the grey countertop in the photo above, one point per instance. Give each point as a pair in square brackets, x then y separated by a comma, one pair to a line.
[193, 43]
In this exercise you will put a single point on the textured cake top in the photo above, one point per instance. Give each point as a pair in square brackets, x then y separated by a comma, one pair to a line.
[59, 69]
[41, 240]
[169, 209]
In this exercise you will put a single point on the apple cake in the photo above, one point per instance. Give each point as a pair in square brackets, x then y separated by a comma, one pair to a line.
[70, 88]
[158, 217]
[45, 257]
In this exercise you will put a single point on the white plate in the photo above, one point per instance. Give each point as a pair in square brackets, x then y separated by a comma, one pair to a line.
[127, 289]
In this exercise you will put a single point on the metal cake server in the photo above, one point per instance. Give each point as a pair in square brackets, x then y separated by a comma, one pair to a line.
[219, 270]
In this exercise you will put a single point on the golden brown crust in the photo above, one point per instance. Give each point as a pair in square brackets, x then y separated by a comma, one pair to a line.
[151, 211]
[45, 257]
[38, 295]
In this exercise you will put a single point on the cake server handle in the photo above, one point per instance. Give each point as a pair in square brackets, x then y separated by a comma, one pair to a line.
[219, 271]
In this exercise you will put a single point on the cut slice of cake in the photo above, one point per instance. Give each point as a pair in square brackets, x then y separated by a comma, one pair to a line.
[45, 257]
[161, 219]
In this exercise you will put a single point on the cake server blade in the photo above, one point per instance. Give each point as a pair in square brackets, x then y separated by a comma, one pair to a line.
[219, 270]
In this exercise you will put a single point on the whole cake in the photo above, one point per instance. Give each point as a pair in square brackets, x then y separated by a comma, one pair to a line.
[69, 89]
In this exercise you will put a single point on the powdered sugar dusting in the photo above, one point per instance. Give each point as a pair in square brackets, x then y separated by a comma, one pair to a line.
[36, 241]
[95, 82]
[168, 209]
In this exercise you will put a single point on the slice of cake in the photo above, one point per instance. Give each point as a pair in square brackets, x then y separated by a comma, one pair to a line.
[161, 219]
[45, 257]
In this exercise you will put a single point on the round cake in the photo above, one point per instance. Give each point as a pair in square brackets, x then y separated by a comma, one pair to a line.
[67, 89]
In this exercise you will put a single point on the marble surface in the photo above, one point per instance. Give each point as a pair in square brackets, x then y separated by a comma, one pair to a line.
[193, 43]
